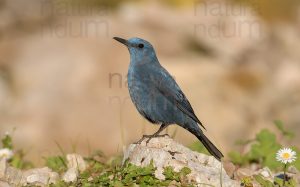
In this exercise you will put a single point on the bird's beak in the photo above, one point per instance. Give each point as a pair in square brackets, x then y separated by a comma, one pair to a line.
[121, 40]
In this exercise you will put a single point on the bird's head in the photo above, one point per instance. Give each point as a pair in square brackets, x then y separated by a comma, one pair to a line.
[140, 50]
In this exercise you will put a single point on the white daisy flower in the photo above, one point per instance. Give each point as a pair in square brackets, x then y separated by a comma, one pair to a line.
[286, 155]
[6, 153]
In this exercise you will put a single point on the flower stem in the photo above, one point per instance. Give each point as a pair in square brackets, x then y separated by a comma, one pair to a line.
[284, 175]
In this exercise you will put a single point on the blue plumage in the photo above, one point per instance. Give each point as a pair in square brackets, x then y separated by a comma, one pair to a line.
[157, 96]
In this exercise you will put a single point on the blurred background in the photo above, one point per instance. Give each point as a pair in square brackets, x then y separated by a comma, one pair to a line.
[63, 78]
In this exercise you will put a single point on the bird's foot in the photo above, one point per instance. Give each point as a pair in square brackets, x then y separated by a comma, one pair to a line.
[142, 139]
[150, 137]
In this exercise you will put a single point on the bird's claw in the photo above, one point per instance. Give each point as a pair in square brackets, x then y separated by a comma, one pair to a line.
[149, 138]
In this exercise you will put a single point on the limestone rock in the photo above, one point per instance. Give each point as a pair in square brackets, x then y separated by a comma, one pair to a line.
[13, 176]
[164, 152]
[293, 170]
[71, 175]
[76, 161]
[76, 164]
[40, 176]
[266, 173]
[297, 178]
[3, 166]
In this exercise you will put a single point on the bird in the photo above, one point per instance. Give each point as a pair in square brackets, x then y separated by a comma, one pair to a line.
[157, 96]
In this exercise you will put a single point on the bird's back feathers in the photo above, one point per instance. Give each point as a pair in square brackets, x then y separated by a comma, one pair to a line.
[170, 89]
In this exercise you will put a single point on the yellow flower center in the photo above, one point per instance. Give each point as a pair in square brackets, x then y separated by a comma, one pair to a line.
[286, 155]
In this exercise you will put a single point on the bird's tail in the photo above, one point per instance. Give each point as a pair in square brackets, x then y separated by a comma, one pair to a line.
[211, 148]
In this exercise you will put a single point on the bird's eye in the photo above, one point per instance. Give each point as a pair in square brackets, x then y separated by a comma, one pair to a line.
[141, 46]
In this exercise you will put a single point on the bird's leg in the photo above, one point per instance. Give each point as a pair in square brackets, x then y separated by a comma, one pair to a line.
[156, 134]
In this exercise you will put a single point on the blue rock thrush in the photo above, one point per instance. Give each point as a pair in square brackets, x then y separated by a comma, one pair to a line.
[157, 96]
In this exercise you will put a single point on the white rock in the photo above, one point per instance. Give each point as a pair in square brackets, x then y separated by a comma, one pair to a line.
[265, 172]
[76, 164]
[293, 170]
[297, 178]
[40, 176]
[3, 166]
[13, 176]
[71, 175]
[76, 161]
[166, 152]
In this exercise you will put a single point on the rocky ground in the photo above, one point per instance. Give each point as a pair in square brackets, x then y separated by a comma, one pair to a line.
[162, 152]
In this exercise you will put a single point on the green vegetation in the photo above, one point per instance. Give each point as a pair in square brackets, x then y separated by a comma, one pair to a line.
[17, 160]
[7, 142]
[100, 174]
[277, 182]
[247, 182]
[56, 163]
[261, 150]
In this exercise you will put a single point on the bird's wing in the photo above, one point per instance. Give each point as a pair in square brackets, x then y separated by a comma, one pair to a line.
[169, 88]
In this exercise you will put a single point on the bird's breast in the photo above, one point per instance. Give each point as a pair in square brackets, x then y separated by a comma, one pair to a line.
[142, 90]
[139, 86]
